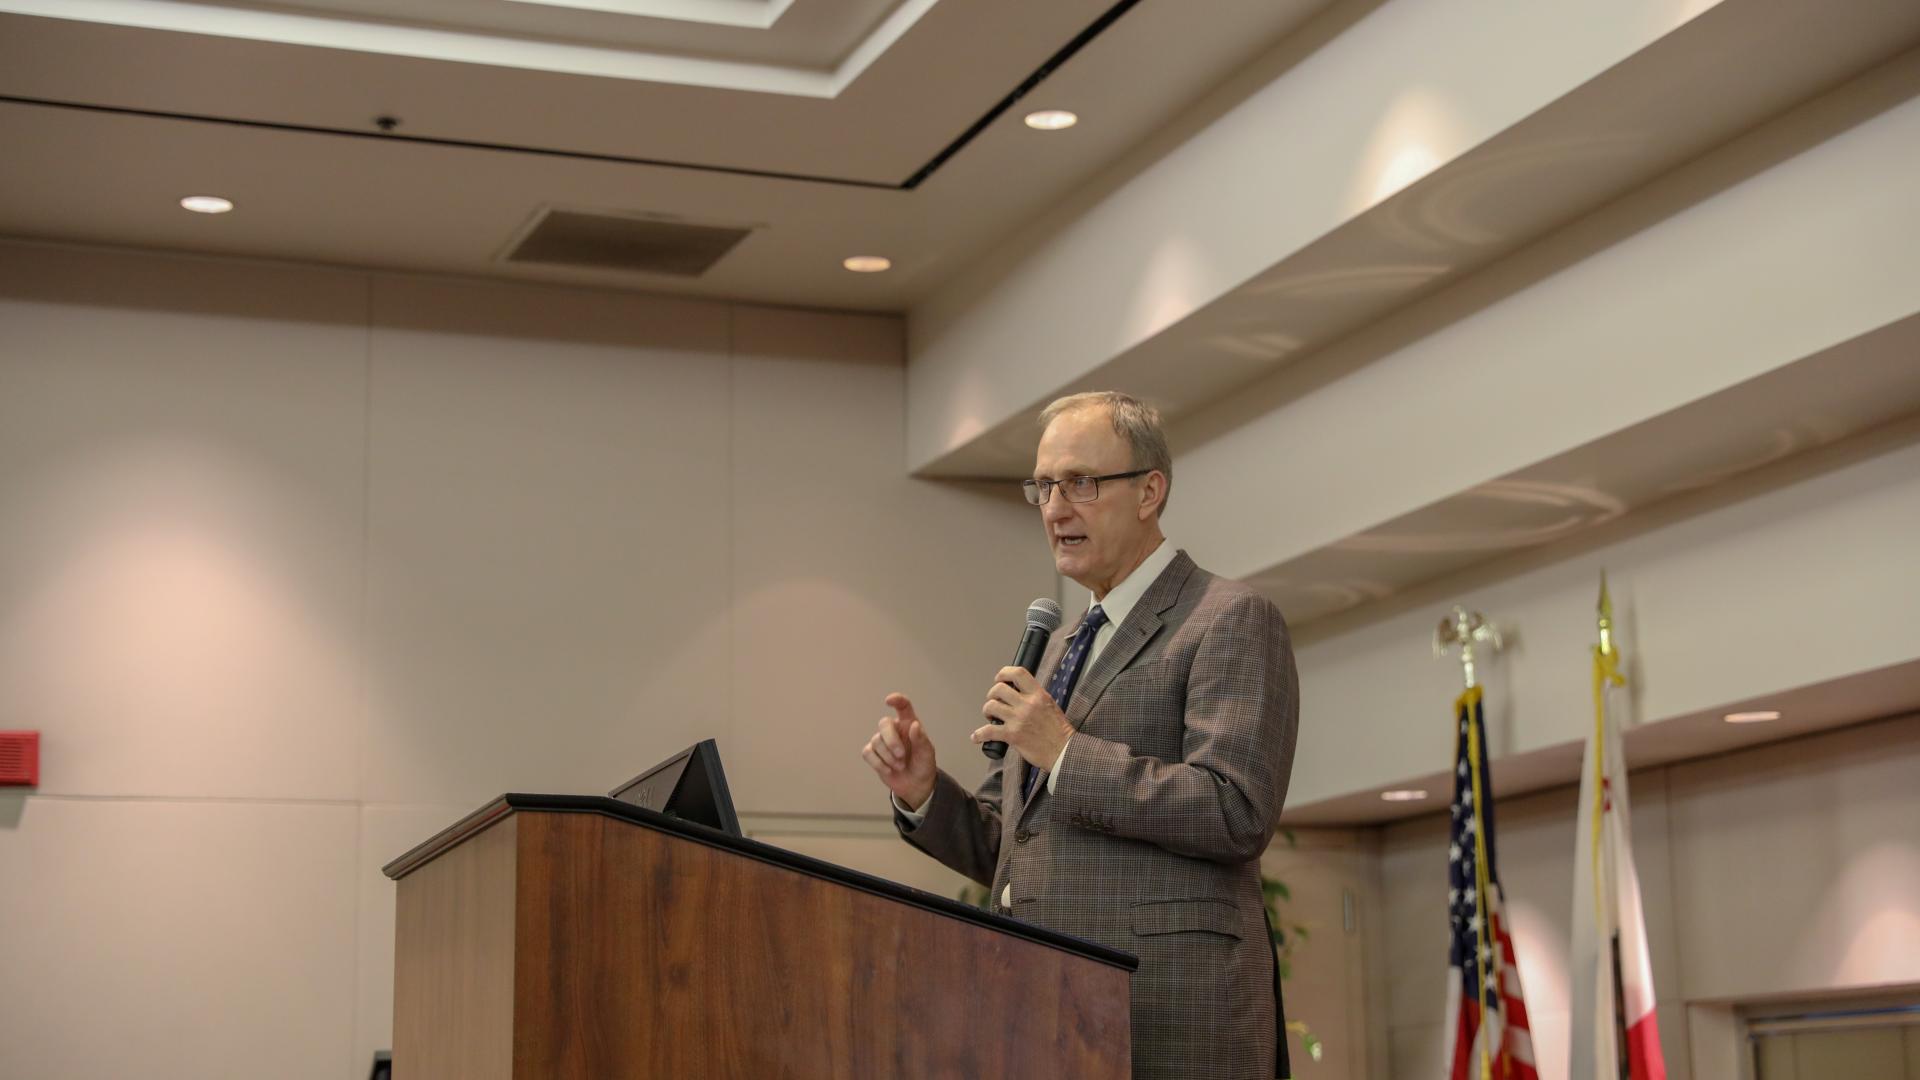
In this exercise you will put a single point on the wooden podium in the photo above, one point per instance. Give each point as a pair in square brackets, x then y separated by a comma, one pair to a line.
[559, 937]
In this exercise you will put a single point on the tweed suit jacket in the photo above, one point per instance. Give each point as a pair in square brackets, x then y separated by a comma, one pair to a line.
[1149, 843]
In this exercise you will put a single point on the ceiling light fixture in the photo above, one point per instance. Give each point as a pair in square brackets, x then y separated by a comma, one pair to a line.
[1404, 795]
[1758, 717]
[867, 264]
[206, 204]
[1051, 120]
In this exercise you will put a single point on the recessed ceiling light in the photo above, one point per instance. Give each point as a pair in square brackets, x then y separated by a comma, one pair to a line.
[1758, 717]
[1051, 120]
[867, 264]
[1404, 795]
[206, 204]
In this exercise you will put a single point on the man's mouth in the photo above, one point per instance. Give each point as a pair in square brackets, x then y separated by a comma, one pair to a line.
[1071, 541]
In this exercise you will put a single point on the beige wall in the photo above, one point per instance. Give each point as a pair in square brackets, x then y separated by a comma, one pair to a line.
[1786, 870]
[1333, 882]
[296, 565]
[1699, 583]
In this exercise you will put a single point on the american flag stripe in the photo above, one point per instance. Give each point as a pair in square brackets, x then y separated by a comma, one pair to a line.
[1487, 1032]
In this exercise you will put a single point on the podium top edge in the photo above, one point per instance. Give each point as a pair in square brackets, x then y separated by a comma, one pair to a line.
[514, 802]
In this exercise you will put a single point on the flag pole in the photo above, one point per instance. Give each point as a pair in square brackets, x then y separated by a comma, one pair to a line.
[1606, 675]
[1464, 629]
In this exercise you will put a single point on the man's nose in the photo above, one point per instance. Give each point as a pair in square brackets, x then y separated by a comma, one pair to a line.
[1057, 508]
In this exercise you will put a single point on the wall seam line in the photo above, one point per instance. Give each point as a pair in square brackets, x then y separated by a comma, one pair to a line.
[733, 545]
[1673, 901]
[210, 800]
[364, 678]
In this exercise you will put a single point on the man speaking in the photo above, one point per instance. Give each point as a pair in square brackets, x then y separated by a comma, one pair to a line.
[1148, 757]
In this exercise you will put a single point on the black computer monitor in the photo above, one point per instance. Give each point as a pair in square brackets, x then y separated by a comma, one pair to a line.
[689, 785]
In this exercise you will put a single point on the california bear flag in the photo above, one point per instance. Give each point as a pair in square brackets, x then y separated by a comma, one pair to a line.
[1615, 1035]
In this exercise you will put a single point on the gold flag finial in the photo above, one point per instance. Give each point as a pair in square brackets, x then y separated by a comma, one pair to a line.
[1465, 629]
[1606, 618]
[1606, 654]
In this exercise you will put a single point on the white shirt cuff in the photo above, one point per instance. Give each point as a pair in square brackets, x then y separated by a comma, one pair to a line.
[914, 817]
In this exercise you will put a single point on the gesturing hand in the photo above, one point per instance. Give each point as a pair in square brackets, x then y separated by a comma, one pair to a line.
[902, 755]
[1030, 722]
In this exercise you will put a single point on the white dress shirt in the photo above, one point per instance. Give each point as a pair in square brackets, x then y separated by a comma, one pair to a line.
[1118, 605]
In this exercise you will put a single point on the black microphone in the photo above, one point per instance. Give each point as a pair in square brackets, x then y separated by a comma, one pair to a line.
[1043, 618]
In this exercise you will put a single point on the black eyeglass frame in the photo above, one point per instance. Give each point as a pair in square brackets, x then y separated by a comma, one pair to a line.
[1039, 491]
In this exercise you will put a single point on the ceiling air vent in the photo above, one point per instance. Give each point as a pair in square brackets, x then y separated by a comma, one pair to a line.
[637, 243]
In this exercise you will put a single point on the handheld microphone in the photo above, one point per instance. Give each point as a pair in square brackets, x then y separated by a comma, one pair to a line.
[1043, 618]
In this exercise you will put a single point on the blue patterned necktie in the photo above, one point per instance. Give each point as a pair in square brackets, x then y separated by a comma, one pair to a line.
[1067, 675]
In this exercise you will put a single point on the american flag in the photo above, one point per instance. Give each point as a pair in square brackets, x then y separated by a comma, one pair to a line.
[1487, 1037]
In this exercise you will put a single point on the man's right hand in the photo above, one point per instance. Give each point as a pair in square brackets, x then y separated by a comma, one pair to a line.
[902, 755]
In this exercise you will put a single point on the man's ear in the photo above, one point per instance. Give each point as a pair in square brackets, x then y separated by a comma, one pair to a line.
[1153, 492]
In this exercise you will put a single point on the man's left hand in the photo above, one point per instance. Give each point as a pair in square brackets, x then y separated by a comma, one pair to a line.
[1030, 722]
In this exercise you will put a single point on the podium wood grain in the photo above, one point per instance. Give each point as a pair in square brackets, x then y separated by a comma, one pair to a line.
[604, 950]
[453, 980]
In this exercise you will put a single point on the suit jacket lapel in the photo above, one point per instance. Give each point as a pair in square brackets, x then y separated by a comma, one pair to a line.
[1141, 624]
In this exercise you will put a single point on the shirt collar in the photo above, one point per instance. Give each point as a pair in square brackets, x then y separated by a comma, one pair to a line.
[1122, 597]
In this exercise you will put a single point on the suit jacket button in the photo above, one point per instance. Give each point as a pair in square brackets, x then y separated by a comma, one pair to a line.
[1021, 836]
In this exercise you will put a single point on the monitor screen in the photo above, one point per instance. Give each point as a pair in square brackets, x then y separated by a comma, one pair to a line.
[689, 786]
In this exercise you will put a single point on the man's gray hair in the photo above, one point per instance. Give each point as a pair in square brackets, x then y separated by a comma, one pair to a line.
[1133, 420]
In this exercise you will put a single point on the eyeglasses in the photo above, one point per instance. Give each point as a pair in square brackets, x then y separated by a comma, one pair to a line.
[1078, 489]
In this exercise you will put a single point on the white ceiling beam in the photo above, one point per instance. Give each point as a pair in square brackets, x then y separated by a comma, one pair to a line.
[1655, 304]
[507, 50]
[1800, 575]
[1372, 109]
[1355, 170]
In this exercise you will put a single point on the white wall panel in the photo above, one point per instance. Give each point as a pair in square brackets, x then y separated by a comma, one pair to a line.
[547, 529]
[1801, 872]
[850, 579]
[182, 447]
[162, 938]
[870, 851]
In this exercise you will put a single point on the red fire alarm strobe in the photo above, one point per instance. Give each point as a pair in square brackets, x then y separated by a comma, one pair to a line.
[19, 759]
